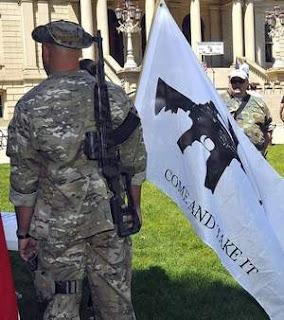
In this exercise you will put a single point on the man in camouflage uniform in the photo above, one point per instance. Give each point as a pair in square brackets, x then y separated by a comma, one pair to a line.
[250, 112]
[60, 196]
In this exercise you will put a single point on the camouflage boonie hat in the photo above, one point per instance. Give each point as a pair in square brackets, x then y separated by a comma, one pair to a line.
[63, 33]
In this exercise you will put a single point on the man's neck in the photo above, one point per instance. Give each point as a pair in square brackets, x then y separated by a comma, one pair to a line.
[239, 95]
[64, 70]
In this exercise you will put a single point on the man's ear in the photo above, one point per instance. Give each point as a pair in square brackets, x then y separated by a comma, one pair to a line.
[45, 51]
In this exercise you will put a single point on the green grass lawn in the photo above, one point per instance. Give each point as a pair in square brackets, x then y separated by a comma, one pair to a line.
[176, 277]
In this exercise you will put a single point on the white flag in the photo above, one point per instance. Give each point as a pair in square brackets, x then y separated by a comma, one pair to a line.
[205, 163]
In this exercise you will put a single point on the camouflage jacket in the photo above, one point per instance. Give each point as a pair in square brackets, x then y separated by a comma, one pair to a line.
[254, 119]
[49, 170]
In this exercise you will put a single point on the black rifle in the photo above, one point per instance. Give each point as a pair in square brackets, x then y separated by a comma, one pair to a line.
[206, 124]
[100, 146]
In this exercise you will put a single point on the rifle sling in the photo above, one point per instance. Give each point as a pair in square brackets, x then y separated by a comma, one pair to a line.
[242, 106]
[124, 131]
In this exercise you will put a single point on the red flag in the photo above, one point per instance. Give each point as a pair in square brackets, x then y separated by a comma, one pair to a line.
[8, 303]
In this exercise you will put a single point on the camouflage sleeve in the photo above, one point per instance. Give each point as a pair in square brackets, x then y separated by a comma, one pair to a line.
[132, 151]
[23, 161]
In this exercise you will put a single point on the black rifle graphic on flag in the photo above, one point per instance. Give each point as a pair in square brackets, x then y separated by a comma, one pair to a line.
[205, 124]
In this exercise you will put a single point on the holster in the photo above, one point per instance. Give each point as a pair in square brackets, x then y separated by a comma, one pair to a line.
[44, 285]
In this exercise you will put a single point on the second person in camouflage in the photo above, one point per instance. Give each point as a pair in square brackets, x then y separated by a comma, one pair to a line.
[250, 112]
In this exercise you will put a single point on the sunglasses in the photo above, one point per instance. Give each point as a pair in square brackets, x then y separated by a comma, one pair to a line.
[237, 81]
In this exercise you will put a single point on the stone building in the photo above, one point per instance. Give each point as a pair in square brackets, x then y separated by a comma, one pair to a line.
[239, 24]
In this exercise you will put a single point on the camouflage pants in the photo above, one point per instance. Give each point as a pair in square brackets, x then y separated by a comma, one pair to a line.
[106, 261]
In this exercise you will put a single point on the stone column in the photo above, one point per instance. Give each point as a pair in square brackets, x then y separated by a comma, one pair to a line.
[149, 13]
[195, 26]
[102, 24]
[87, 23]
[249, 31]
[30, 61]
[215, 27]
[237, 25]
[43, 11]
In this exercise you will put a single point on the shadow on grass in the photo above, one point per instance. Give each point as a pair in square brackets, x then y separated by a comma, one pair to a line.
[158, 297]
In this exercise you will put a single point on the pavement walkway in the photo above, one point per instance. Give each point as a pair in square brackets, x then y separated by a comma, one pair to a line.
[278, 134]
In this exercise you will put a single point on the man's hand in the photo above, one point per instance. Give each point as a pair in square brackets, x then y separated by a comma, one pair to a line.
[27, 248]
[26, 244]
[136, 195]
[139, 215]
[129, 219]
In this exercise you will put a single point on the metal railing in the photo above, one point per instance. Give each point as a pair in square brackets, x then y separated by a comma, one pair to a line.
[111, 69]
[264, 83]
[257, 70]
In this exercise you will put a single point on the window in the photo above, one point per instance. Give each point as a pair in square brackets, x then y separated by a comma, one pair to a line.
[186, 28]
[268, 44]
[115, 38]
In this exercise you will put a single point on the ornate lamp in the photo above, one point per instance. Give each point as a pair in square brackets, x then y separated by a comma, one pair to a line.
[129, 17]
[275, 19]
